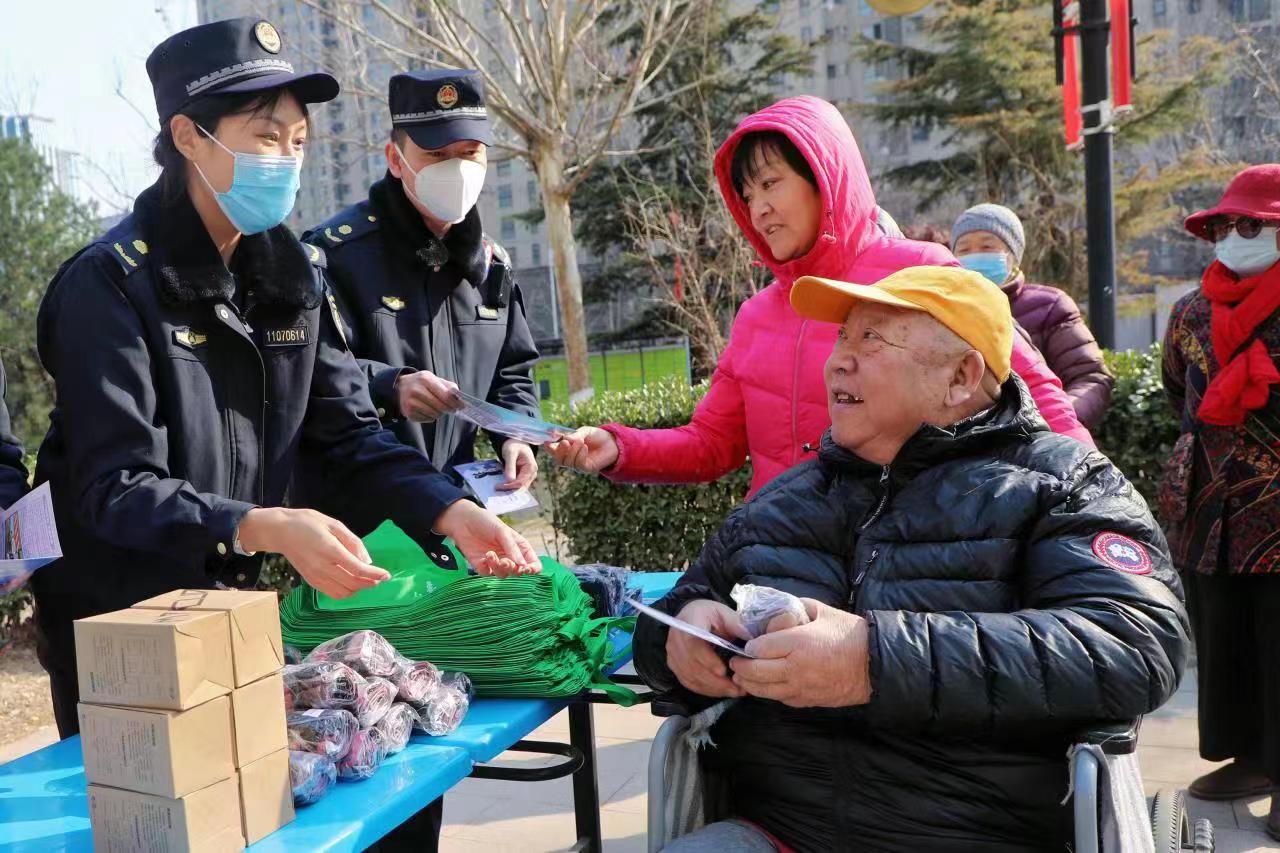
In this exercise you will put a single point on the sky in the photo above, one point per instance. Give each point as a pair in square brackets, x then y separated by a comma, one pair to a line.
[63, 60]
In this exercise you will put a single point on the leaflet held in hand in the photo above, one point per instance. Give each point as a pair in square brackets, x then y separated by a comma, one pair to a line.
[506, 422]
[693, 630]
[30, 537]
[483, 478]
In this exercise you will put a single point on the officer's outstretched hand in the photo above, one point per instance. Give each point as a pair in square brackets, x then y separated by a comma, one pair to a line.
[490, 546]
[588, 449]
[328, 556]
[424, 397]
[519, 465]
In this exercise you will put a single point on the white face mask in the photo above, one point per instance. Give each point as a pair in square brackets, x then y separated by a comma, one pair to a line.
[1248, 257]
[448, 189]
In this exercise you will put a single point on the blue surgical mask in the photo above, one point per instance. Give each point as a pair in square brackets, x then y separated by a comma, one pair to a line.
[263, 189]
[993, 265]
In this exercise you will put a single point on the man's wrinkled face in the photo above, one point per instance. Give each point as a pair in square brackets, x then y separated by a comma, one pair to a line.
[886, 376]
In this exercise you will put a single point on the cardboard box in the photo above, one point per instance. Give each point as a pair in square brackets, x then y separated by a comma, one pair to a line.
[257, 719]
[204, 821]
[266, 797]
[256, 646]
[165, 753]
[153, 658]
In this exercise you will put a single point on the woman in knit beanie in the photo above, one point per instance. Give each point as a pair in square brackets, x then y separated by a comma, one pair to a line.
[989, 239]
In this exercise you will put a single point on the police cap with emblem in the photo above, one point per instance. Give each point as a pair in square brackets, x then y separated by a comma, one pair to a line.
[438, 108]
[228, 57]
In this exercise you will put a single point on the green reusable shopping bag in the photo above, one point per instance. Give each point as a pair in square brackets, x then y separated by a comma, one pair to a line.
[526, 636]
[413, 573]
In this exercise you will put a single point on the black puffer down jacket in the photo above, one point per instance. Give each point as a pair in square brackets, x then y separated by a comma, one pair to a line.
[1017, 590]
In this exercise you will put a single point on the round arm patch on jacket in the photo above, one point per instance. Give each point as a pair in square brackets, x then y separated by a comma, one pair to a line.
[1122, 553]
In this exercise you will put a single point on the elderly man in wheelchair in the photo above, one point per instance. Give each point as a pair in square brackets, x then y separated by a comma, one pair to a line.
[979, 591]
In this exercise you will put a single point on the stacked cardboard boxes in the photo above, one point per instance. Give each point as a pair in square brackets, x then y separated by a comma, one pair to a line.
[182, 722]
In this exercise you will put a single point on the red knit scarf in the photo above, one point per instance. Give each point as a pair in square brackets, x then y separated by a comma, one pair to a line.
[1239, 306]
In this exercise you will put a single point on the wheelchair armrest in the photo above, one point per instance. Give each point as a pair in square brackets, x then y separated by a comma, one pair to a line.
[1113, 738]
[667, 705]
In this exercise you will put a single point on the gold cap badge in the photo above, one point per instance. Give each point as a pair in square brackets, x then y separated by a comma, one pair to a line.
[447, 96]
[267, 36]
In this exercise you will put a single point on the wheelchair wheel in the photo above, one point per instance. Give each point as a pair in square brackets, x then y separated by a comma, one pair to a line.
[1170, 825]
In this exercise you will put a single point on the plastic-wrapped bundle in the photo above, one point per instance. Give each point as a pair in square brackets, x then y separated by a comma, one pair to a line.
[363, 758]
[443, 712]
[325, 684]
[607, 586]
[328, 732]
[311, 776]
[292, 655]
[460, 682]
[415, 682]
[374, 699]
[396, 726]
[367, 652]
[760, 605]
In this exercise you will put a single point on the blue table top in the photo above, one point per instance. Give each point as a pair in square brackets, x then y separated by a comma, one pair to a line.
[44, 807]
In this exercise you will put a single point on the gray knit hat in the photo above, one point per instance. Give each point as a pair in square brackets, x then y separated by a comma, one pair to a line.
[996, 218]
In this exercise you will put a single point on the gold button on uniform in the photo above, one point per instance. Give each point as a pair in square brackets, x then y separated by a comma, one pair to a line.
[240, 578]
[382, 413]
[222, 549]
[222, 312]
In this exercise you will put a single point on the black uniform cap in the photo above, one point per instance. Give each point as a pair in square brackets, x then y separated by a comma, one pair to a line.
[440, 107]
[228, 57]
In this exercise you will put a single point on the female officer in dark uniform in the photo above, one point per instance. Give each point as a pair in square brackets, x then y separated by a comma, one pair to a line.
[196, 357]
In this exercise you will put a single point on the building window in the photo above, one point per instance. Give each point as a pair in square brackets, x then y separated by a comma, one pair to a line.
[1159, 8]
[1259, 10]
[503, 168]
[916, 23]
[831, 72]
[532, 190]
[536, 249]
[508, 229]
[920, 132]
[514, 256]
[806, 34]
[803, 4]
[504, 196]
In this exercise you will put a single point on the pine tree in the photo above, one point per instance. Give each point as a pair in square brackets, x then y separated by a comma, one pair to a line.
[986, 83]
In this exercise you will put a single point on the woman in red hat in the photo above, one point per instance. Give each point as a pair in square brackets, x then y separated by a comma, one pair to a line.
[1220, 500]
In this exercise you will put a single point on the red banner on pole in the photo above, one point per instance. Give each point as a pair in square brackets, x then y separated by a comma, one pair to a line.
[1072, 121]
[1121, 56]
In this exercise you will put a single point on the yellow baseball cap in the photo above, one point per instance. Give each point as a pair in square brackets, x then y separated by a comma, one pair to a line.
[962, 300]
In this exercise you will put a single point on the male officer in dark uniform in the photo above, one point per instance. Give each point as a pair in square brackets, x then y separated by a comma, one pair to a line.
[13, 473]
[198, 359]
[430, 302]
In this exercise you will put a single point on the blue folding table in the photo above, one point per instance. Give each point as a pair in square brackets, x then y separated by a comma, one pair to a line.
[44, 807]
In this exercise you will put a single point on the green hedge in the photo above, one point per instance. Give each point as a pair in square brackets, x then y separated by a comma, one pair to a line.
[659, 528]
[651, 528]
[1140, 429]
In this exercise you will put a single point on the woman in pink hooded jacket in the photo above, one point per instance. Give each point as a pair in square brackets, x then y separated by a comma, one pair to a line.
[799, 190]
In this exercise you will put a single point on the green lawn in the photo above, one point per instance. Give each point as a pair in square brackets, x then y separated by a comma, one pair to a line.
[620, 370]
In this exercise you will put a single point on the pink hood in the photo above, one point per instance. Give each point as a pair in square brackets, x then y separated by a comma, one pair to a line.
[849, 230]
[767, 398]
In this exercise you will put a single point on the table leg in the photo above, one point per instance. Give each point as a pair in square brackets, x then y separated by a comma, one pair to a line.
[586, 787]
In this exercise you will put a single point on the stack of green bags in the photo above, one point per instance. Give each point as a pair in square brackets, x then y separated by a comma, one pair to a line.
[525, 636]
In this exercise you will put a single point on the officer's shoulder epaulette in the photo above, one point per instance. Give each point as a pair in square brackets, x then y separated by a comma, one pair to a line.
[126, 248]
[351, 224]
[316, 255]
